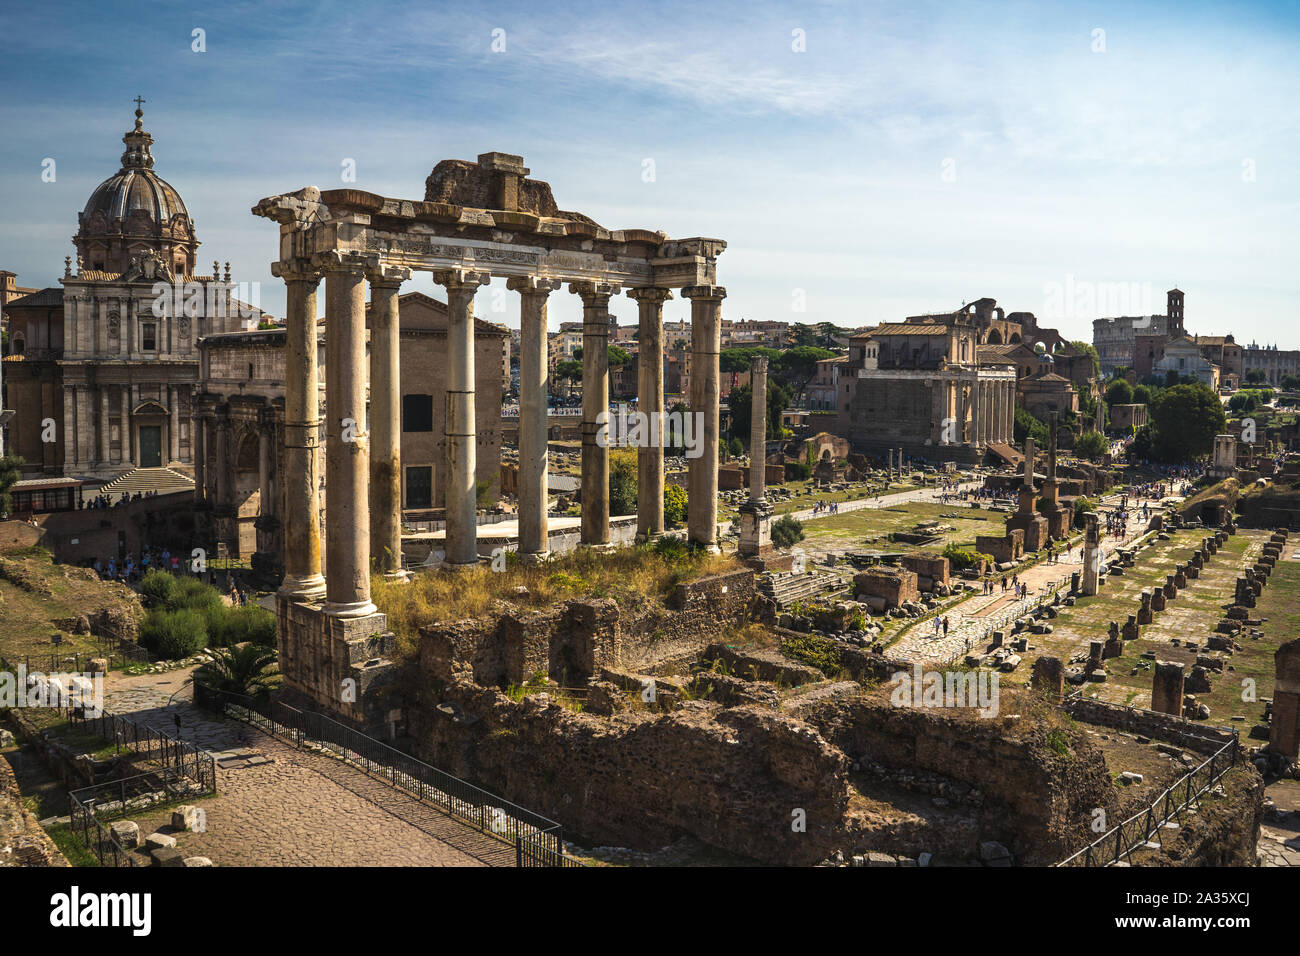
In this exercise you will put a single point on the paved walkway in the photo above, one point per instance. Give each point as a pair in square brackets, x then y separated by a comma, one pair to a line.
[974, 619]
[299, 808]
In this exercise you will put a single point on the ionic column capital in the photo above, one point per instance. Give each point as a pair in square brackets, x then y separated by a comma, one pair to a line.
[460, 280]
[594, 293]
[337, 261]
[707, 292]
[296, 270]
[533, 285]
[650, 294]
[384, 276]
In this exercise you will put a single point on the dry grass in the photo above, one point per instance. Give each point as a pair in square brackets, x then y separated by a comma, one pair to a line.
[630, 576]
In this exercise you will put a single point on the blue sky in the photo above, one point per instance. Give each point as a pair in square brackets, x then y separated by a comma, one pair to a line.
[911, 157]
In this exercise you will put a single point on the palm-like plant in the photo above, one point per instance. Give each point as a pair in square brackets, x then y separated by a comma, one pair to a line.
[249, 670]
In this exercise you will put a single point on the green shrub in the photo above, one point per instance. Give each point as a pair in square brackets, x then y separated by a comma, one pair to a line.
[671, 548]
[787, 531]
[797, 471]
[174, 634]
[228, 626]
[674, 504]
[157, 588]
[192, 594]
[961, 558]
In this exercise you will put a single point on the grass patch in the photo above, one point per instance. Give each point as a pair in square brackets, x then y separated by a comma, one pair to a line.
[630, 576]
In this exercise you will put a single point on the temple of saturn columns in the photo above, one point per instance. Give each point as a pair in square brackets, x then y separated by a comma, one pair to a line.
[477, 221]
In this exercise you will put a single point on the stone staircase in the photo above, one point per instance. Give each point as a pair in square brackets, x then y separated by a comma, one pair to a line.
[785, 588]
[163, 481]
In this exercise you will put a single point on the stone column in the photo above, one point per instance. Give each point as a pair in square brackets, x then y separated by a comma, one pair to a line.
[1284, 724]
[460, 429]
[128, 460]
[174, 426]
[302, 545]
[347, 453]
[386, 420]
[1091, 555]
[105, 429]
[650, 402]
[595, 409]
[199, 452]
[265, 457]
[221, 463]
[758, 429]
[756, 513]
[534, 384]
[706, 313]
[69, 427]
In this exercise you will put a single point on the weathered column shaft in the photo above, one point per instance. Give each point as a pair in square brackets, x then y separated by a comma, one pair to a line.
[595, 409]
[199, 452]
[386, 420]
[534, 384]
[266, 494]
[702, 507]
[221, 462]
[174, 426]
[650, 402]
[69, 426]
[127, 458]
[758, 429]
[460, 429]
[347, 465]
[302, 544]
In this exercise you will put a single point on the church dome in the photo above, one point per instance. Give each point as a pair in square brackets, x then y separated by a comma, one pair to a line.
[135, 211]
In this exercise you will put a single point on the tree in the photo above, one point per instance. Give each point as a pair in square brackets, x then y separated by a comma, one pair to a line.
[618, 357]
[1088, 349]
[1027, 426]
[10, 472]
[675, 501]
[249, 670]
[797, 366]
[1291, 382]
[1256, 377]
[1091, 445]
[787, 531]
[622, 482]
[1186, 419]
[1141, 395]
[1119, 392]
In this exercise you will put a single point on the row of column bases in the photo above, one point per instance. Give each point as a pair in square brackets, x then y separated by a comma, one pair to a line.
[363, 488]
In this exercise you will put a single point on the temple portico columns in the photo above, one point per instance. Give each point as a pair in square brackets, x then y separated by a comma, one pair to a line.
[534, 385]
[302, 546]
[347, 455]
[706, 333]
[650, 402]
[460, 429]
[595, 409]
[386, 421]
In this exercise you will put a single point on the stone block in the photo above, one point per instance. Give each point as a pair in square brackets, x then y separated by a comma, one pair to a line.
[159, 841]
[126, 833]
[190, 818]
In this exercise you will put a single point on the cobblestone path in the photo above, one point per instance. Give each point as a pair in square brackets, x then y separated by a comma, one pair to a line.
[300, 808]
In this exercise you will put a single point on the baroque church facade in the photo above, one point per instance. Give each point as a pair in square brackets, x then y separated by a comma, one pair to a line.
[102, 373]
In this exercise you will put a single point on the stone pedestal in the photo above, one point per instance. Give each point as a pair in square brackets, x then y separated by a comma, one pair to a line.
[1167, 688]
[755, 529]
[1091, 556]
[1049, 677]
[341, 664]
[1284, 728]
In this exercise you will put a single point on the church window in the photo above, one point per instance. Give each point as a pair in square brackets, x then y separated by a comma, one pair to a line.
[149, 337]
[417, 413]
